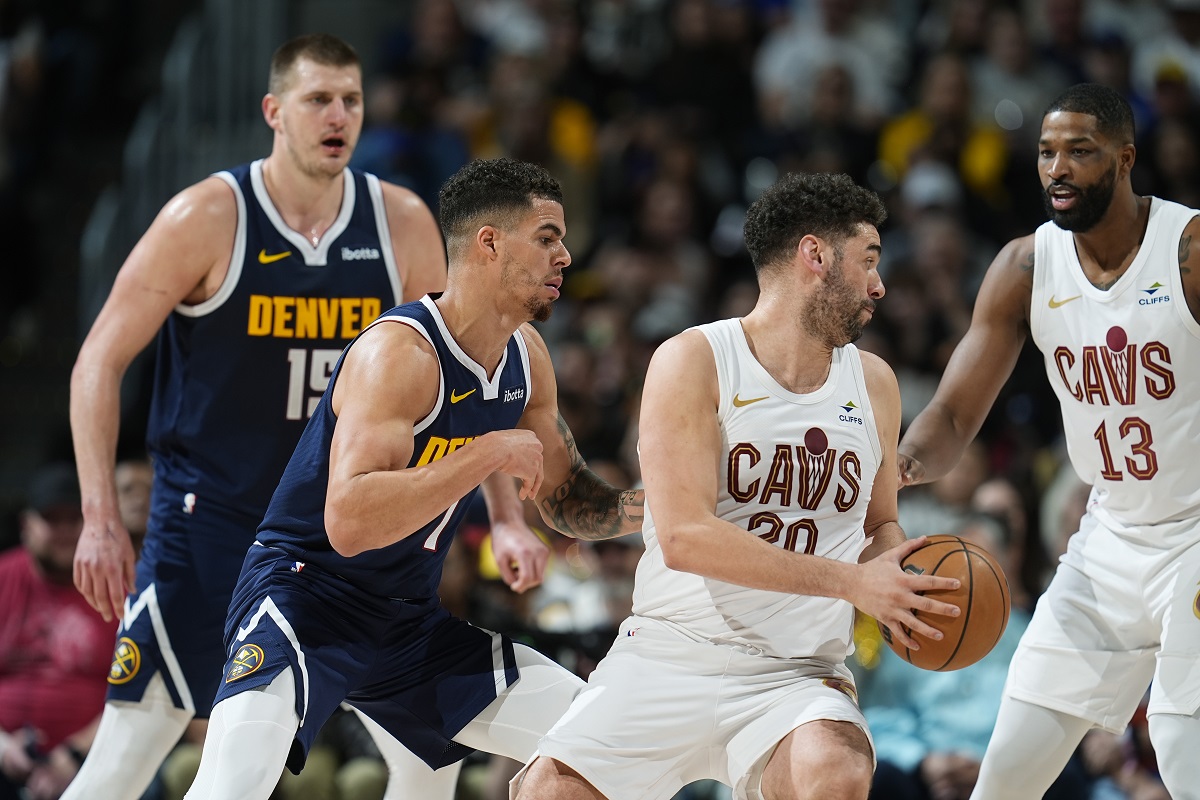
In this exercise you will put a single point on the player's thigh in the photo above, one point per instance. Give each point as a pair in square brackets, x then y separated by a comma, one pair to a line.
[514, 722]
[1175, 592]
[767, 703]
[642, 726]
[1089, 650]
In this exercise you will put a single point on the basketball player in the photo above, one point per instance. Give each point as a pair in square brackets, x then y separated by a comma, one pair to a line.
[1109, 289]
[337, 600]
[769, 520]
[257, 277]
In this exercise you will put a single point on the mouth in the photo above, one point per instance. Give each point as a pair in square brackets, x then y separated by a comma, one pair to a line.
[1062, 196]
[555, 286]
[333, 145]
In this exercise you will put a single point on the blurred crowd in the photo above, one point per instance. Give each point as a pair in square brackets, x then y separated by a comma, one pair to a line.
[664, 119]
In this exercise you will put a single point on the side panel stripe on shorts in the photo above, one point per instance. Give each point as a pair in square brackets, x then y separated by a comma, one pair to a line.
[498, 669]
[148, 601]
[268, 607]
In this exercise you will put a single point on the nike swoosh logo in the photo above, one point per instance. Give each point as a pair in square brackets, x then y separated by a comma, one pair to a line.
[1056, 303]
[454, 397]
[739, 402]
[263, 258]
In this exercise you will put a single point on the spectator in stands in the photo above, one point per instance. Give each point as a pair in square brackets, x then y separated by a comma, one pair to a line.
[55, 649]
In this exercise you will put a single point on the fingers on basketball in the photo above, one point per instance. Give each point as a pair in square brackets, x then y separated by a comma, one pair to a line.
[982, 596]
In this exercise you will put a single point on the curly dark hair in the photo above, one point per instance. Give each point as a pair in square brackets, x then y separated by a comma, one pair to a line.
[1114, 117]
[492, 192]
[831, 207]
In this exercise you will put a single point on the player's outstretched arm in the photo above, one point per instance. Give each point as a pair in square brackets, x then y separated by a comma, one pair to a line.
[980, 365]
[182, 258]
[682, 455]
[572, 499]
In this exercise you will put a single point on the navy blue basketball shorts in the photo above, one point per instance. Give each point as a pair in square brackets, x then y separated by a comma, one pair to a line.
[174, 624]
[410, 665]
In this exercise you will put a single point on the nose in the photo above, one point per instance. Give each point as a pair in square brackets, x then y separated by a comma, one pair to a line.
[563, 258]
[337, 112]
[1056, 168]
[875, 285]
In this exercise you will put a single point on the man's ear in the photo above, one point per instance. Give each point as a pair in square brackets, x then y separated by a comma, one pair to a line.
[812, 254]
[487, 239]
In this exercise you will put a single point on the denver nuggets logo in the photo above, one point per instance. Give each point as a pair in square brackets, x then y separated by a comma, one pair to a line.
[845, 687]
[127, 660]
[248, 658]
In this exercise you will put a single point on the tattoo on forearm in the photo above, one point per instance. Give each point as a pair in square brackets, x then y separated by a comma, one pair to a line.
[585, 506]
[1185, 246]
[1027, 264]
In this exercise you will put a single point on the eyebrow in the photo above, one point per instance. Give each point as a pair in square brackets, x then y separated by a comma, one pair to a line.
[876, 248]
[550, 226]
[1072, 140]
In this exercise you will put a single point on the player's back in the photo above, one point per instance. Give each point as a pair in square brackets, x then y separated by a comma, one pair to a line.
[1122, 363]
[469, 404]
[238, 375]
[798, 471]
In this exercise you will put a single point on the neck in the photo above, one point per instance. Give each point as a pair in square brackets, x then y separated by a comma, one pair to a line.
[797, 361]
[308, 203]
[1111, 245]
[476, 322]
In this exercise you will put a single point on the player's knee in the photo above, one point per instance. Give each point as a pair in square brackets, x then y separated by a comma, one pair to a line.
[825, 759]
[550, 779]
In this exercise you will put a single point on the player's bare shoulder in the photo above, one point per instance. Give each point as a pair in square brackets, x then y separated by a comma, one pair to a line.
[1007, 289]
[882, 386]
[391, 359]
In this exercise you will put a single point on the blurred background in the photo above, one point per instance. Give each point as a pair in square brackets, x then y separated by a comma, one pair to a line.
[664, 120]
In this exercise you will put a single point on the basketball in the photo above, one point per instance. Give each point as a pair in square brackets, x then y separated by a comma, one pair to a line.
[982, 595]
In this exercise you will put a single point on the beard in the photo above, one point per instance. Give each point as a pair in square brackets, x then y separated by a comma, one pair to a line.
[834, 315]
[537, 309]
[1090, 205]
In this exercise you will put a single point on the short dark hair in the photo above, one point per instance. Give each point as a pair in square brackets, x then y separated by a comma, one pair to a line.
[828, 206]
[1114, 117]
[492, 192]
[320, 48]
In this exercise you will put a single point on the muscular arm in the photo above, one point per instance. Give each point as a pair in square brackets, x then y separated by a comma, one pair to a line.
[388, 381]
[1189, 265]
[416, 243]
[573, 500]
[682, 452]
[182, 258]
[881, 527]
[980, 365]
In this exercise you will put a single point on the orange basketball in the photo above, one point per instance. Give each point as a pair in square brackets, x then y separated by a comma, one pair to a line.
[982, 595]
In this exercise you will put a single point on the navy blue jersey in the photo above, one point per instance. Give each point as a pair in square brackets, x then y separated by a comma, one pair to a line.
[469, 404]
[236, 379]
[238, 375]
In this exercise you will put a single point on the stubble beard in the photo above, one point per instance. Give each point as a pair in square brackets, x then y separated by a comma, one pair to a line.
[536, 309]
[834, 313]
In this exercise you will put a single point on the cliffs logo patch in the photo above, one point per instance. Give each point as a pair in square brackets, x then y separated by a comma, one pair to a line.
[248, 659]
[126, 661]
[843, 686]
[1196, 604]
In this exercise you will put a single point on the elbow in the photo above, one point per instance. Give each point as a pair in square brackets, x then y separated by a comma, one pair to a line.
[675, 550]
[343, 534]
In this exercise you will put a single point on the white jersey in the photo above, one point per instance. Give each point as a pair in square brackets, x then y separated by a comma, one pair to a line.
[1125, 364]
[798, 472]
